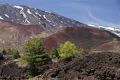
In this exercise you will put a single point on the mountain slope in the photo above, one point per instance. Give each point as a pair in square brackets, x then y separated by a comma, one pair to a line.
[113, 30]
[50, 21]
[14, 35]
[31, 16]
[113, 46]
[22, 22]
[83, 37]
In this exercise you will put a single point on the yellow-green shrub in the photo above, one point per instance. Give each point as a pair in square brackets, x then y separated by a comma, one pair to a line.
[67, 50]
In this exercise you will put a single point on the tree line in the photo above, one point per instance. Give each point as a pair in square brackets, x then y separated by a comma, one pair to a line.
[35, 54]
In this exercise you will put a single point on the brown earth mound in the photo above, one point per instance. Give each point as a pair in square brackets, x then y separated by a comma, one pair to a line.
[100, 66]
[13, 35]
[85, 37]
[113, 46]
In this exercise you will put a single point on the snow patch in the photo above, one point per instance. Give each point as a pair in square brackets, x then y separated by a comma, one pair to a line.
[6, 15]
[22, 12]
[1, 18]
[18, 7]
[38, 14]
[48, 12]
[61, 21]
[112, 29]
[26, 20]
[46, 18]
[39, 22]
[24, 15]
[28, 11]
[91, 25]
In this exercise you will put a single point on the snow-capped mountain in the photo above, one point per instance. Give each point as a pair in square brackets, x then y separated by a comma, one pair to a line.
[49, 20]
[32, 16]
[113, 30]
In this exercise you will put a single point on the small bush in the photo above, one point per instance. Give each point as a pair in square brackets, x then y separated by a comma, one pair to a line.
[54, 55]
[14, 52]
[67, 50]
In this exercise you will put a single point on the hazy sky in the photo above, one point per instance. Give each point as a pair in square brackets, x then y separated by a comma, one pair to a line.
[104, 12]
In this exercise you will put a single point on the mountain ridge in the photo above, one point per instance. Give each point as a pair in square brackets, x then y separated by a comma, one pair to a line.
[50, 21]
[32, 16]
[113, 30]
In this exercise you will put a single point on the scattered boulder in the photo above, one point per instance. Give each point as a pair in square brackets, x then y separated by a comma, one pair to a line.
[1, 56]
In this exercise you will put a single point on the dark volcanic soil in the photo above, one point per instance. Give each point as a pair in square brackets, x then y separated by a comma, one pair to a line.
[11, 71]
[99, 66]
[94, 66]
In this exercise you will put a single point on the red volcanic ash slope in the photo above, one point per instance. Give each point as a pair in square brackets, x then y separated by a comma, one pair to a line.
[84, 37]
[13, 35]
[113, 46]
